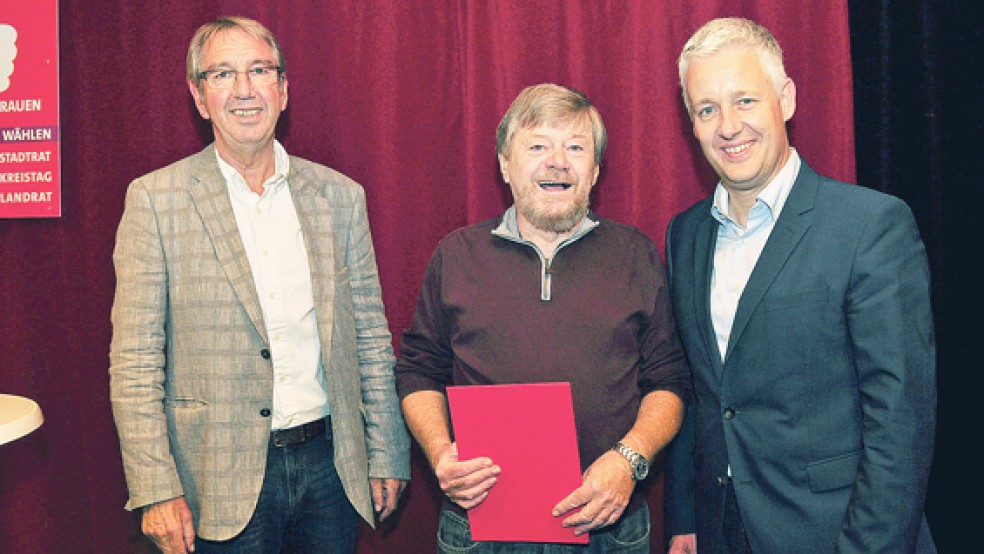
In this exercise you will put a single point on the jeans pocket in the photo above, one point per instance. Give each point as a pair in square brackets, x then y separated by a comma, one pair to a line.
[454, 534]
[631, 535]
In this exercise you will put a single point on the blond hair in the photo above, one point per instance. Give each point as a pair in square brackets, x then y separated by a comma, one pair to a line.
[725, 33]
[549, 103]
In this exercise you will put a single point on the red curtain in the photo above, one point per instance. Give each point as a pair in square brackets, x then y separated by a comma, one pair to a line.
[404, 97]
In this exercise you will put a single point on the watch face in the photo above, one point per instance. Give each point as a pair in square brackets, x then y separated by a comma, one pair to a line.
[641, 471]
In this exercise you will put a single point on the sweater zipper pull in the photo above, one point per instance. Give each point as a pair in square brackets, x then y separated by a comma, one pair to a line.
[545, 281]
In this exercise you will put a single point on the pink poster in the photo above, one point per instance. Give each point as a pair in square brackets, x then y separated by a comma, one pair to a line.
[30, 175]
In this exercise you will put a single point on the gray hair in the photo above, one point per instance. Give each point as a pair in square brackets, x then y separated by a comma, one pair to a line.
[251, 27]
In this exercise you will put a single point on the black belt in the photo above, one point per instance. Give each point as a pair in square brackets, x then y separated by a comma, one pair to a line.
[299, 434]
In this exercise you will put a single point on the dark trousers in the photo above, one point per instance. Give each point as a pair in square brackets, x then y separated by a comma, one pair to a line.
[734, 541]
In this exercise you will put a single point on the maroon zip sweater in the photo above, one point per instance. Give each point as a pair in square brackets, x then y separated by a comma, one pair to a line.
[607, 328]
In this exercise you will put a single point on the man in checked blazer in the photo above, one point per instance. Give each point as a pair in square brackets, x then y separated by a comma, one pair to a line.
[251, 362]
[803, 306]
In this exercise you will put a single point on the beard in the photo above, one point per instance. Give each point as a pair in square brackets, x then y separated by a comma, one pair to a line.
[553, 220]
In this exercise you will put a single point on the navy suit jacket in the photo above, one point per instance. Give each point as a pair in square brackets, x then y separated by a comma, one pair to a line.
[824, 407]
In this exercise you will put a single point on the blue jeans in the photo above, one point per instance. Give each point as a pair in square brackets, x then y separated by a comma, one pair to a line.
[302, 506]
[629, 536]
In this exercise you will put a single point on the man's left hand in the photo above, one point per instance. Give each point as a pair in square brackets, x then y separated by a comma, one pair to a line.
[385, 494]
[602, 496]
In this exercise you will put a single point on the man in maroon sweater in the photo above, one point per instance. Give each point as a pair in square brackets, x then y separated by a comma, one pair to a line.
[550, 292]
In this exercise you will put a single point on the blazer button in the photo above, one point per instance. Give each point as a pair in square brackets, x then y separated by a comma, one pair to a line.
[722, 481]
[265, 412]
[265, 353]
[729, 413]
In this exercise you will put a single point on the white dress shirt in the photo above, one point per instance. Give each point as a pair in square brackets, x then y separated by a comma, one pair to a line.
[278, 259]
[738, 249]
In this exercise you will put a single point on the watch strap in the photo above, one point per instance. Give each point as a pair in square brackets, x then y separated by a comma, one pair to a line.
[639, 463]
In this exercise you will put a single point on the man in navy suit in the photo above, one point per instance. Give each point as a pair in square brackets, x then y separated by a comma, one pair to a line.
[803, 306]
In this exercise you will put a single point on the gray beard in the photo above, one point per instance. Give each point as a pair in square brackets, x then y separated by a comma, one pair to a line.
[556, 223]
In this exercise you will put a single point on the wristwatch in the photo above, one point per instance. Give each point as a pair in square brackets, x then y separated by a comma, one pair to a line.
[639, 463]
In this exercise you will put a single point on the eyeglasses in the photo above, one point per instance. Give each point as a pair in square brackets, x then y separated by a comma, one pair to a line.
[259, 75]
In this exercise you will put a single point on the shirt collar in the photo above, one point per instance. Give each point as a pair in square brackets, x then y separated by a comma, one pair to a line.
[280, 169]
[509, 227]
[771, 199]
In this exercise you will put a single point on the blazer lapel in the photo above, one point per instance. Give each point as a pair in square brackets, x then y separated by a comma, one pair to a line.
[314, 214]
[211, 199]
[703, 266]
[793, 223]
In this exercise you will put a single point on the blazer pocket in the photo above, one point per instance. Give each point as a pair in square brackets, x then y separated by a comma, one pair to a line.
[182, 403]
[187, 421]
[833, 473]
[786, 301]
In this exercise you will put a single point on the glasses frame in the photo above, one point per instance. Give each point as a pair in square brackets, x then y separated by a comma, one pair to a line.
[203, 76]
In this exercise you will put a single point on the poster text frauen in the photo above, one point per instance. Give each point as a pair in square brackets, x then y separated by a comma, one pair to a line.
[30, 176]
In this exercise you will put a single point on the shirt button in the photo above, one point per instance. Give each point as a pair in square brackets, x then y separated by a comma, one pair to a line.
[265, 412]
[265, 353]
[729, 413]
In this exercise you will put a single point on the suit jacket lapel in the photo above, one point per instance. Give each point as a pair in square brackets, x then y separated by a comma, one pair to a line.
[314, 214]
[211, 199]
[704, 265]
[793, 223]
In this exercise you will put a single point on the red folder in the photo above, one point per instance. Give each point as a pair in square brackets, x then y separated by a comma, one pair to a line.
[528, 431]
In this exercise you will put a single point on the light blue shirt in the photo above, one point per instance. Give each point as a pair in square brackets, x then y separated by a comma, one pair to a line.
[738, 249]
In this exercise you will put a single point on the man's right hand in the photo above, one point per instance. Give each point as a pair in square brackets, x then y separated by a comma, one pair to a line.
[466, 483]
[683, 544]
[170, 526]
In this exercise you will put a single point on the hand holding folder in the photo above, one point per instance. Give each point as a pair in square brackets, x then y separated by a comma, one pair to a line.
[527, 430]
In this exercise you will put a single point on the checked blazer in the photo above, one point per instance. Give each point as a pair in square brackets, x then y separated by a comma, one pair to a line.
[191, 379]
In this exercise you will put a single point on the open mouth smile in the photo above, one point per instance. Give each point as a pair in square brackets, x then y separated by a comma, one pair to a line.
[737, 150]
[550, 186]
